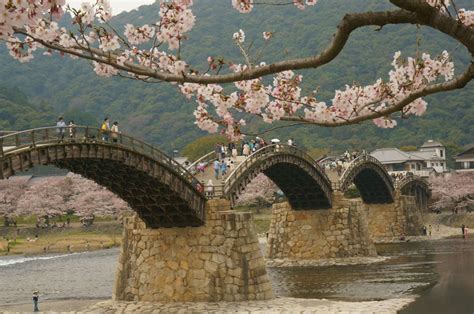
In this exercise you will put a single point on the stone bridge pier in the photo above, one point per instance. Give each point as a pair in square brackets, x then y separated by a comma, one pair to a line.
[314, 234]
[403, 217]
[220, 261]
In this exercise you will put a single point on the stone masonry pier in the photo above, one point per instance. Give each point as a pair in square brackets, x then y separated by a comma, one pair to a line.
[400, 218]
[315, 234]
[220, 261]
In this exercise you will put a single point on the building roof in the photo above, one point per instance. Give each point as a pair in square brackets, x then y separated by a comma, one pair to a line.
[426, 155]
[468, 153]
[431, 143]
[393, 156]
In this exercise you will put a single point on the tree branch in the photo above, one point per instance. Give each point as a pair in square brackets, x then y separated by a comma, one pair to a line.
[413, 12]
[458, 83]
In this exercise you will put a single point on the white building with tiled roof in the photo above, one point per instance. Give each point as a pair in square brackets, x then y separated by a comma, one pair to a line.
[464, 162]
[429, 157]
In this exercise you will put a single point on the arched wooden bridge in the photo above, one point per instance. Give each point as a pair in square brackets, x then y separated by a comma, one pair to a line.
[165, 194]
[415, 186]
[371, 179]
[158, 188]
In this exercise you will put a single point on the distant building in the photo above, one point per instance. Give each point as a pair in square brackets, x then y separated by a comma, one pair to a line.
[464, 162]
[428, 158]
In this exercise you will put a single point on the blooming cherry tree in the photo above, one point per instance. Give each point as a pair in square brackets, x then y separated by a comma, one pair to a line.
[43, 198]
[10, 192]
[55, 196]
[454, 191]
[260, 190]
[151, 52]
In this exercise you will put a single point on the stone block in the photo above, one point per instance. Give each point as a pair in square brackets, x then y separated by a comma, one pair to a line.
[210, 266]
[172, 265]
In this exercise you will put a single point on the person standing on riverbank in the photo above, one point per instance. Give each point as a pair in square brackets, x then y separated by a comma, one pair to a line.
[35, 301]
[462, 230]
[465, 232]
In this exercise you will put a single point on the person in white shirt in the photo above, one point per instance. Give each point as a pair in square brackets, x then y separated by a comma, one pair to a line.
[115, 132]
[60, 129]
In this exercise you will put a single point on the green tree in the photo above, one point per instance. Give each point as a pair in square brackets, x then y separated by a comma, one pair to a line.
[202, 146]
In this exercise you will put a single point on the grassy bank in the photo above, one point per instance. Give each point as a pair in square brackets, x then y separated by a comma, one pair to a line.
[76, 238]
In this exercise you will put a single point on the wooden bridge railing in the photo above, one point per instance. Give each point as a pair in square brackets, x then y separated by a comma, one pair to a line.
[206, 158]
[264, 152]
[16, 141]
[354, 163]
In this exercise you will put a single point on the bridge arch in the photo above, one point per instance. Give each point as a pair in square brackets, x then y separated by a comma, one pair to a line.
[301, 179]
[371, 179]
[153, 184]
[415, 186]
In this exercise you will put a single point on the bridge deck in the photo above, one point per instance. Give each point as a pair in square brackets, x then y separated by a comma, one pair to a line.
[208, 174]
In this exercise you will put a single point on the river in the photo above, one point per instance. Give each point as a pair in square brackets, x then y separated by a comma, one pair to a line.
[440, 273]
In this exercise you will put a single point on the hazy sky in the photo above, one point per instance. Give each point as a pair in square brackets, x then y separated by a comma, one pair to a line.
[117, 5]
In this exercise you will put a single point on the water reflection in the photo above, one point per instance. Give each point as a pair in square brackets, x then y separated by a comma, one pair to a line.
[394, 278]
[441, 272]
[454, 291]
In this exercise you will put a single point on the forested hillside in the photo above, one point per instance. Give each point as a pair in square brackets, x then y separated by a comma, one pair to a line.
[161, 115]
[17, 113]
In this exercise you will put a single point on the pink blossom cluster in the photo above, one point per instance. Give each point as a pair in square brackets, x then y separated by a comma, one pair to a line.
[139, 35]
[53, 196]
[176, 20]
[260, 190]
[466, 17]
[453, 190]
[283, 99]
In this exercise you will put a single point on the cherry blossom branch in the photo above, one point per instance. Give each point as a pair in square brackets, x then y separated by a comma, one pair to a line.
[457, 83]
[421, 13]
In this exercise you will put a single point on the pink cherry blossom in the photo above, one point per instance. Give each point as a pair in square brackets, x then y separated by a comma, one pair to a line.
[239, 36]
[29, 25]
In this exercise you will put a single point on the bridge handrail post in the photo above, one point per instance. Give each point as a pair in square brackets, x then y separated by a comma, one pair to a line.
[1, 147]
[33, 141]
[17, 140]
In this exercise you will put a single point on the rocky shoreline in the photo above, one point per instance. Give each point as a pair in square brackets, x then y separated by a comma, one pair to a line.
[344, 261]
[277, 305]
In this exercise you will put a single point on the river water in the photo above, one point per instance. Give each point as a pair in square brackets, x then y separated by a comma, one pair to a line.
[441, 273]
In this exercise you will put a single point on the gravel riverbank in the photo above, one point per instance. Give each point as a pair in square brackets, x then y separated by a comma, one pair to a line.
[278, 305]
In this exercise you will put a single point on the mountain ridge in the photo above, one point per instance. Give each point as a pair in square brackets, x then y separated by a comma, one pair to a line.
[159, 114]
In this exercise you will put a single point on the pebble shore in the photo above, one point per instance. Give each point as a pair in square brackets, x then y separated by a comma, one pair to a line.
[325, 262]
[279, 305]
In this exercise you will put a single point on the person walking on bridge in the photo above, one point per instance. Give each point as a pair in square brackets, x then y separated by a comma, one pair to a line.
[115, 132]
[105, 129]
[60, 129]
[72, 130]
[216, 168]
[246, 150]
[217, 150]
[223, 168]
